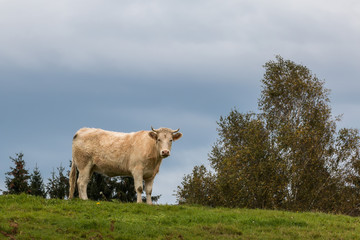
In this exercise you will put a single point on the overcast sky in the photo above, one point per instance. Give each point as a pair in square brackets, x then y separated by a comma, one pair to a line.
[127, 65]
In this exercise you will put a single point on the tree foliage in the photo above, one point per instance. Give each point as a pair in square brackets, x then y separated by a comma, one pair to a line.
[102, 187]
[18, 176]
[289, 155]
[198, 188]
[245, 163]
[37, 186]
[58, 184]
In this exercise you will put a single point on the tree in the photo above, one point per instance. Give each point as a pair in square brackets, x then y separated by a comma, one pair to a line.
[198, 188]
[58, 185]
[101, 187]
[288, 156]
[296, 107]
[245, 163]
[17, 182]
[348, 155]
[125, 190]
[297, 110]
[37, 186]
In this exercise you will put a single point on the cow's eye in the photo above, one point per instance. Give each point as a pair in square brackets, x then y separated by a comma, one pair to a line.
[171, 140]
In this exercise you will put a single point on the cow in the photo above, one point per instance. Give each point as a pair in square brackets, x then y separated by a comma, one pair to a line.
[136, 154]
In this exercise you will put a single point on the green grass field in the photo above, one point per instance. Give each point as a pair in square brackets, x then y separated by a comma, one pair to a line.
[28, 217]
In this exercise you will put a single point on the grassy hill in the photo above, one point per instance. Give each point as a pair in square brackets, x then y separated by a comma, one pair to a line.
[28, 217]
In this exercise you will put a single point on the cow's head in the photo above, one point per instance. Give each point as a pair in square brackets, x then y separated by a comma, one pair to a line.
[164, 138]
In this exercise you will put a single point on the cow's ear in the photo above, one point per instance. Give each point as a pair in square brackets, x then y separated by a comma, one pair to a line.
[177, 136]
[153, 135]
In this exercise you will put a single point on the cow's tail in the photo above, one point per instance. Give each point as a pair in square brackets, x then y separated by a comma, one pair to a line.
[72, 180]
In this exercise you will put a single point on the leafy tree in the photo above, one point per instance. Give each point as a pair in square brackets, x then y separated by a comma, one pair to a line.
[347, 149]
[17, 182]
[288, 156]
[198, 188]
[37, 186]
[296, 107]
[297, 110]
[248, 173]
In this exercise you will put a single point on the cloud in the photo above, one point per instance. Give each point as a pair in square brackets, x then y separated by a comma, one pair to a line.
[152, 36]
[161, 41]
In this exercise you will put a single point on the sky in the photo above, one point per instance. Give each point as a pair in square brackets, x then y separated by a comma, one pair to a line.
[128, 65]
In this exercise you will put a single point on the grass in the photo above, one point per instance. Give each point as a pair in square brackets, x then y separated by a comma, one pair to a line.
[28, 217]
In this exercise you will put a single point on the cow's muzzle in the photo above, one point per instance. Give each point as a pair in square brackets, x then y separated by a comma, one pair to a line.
[165, 153]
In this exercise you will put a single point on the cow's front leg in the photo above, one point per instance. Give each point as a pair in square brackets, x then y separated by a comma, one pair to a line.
[83, 180]
[138, 181]
[148, 189]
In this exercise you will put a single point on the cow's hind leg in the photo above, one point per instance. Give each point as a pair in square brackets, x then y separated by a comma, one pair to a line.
[148, 189]
[83, 180]
[72, 180]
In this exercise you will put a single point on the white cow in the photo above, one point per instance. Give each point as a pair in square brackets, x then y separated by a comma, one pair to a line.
[137, 154]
